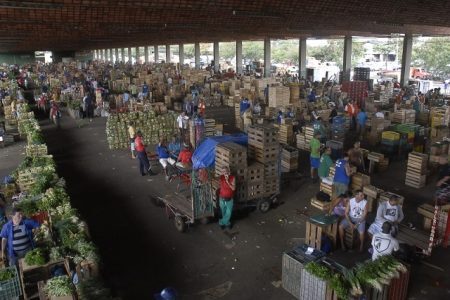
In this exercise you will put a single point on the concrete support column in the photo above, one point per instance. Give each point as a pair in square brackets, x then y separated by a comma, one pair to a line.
[129, 55]
[111, 58]
[406, 60]
[302, 58]
[95, 54]
[156, 53]
[347, 62]
[138, 54]
[104, 54]
[267, 57]
[167, 53]
[123, 55]
[239, 57]
[197, 55]
[146, 54]
[216, 56]
[181, 54]
[117, 54]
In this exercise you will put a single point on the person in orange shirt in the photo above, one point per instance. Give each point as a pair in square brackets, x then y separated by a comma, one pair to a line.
[184, 159]
[352, 109]
[201, 108]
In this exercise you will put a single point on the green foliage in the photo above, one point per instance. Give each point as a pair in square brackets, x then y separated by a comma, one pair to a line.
[35, 257]
[433, 54]
[253, 51]
[53, 197]
[86, 251]
[319, 270]
[340, 286]
[74, 104]
[59, 286]
[43, 182]
[332, 51]
[69, 233]
[6, 274]
[29, 207]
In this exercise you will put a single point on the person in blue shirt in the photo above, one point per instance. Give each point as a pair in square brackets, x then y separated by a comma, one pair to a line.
[312, 96]
[145, 90]
[279, 117]
[342, 175]
[17, 237]
[290, 113]
[361, 118]
[174, 147]
[163, 154]
[244, 105]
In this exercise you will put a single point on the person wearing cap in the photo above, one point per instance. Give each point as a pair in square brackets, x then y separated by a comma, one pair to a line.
[226, 196]
[141, 154]
[17, 237]
[169, 293]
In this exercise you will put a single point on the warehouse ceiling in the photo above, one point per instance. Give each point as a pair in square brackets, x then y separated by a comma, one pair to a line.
[94, 24]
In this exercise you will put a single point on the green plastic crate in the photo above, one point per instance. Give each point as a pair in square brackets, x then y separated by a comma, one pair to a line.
[10, 289]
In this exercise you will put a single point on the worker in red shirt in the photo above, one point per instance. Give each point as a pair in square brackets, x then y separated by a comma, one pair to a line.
[226, 195]
[184, 158]
[141, 154]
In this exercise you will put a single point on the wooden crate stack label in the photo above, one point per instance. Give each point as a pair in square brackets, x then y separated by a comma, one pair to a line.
[230, 155]
[416, 170]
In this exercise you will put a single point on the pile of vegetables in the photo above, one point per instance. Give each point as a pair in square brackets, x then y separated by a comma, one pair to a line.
[93, 289]
[6, 274]
[59, 287]
[36, 257]
[372, 274]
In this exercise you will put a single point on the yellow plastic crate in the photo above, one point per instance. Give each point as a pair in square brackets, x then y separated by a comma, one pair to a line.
[390, 135]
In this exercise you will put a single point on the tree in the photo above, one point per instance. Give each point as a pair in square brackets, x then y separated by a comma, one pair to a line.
[434, 55]
[227, 50]
[189, 51]
[332, 51]
[252, 51]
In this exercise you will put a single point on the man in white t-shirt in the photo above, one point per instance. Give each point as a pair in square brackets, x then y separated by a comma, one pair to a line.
[379, 114]
[355, 217]
[182, 121]
[383, 243]
[388, 211]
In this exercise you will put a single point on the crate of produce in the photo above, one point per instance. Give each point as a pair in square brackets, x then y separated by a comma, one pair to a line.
[36, 150]
[293, 263]
[314, 288]
[9, 283]
[390, 136]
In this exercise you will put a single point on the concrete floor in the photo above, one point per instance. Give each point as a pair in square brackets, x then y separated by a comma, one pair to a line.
[143, 253]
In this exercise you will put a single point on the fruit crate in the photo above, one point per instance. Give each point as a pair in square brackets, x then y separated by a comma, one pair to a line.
[9, 289]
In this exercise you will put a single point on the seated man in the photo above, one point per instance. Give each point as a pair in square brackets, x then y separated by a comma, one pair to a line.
[184, 158]
[383, 243]
[388, 211]
[163, 155]
[355, 217]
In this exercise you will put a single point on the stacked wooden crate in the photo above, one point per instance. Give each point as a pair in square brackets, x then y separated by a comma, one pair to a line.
[289, 159]
[285, 134]
[263, 147]
[309, 134]
[279, 96]
[255, 181]
[326, 186]
[416, 170]
[372, 193]
[359, 181]
[36, 150]
[237, 116]
[301, 142]
[405, 116]
[210, 127]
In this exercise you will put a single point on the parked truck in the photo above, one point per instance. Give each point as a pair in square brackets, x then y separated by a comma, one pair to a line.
[414, 72]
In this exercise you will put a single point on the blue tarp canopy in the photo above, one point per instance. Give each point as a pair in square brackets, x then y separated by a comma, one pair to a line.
[205, 154]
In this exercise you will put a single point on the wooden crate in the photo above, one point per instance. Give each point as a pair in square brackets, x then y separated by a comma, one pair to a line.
[418, 238]
[271, 186]
[264, 155]
[313, 235]
[270, 170]
[285, 134]
[359, 181]
[326, 188]
[255, 190]
[313, 288]
[255, 172]
[416, 170]
[261, 136]
[321, 205]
